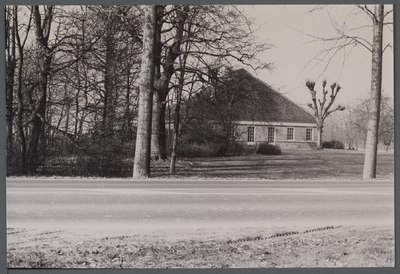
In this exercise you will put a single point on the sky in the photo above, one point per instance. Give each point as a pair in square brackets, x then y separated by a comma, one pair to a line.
[288, 29]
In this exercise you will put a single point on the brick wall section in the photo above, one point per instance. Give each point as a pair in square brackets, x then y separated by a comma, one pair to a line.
[280, 133]
[261, 133]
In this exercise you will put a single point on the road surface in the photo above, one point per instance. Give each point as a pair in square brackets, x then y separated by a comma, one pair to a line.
[153, 204]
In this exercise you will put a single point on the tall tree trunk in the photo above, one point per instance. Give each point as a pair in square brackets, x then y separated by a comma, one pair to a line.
[141, 167]
[176, 130]
[158, 136]
[319, 141]
[109, 111]
[66, 127]
[10, 73]
[45, 58]
[10, 70]
[159, 81]
[20, 113]
[371, 146]
[78, 91]
[38, 116]
[127, 132]
[159, 142]
[20, 99]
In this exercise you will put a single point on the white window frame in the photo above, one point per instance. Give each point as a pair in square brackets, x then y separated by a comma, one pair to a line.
[311, 134]
[287, 133]
[248, 134]
[232, 132]
[273, 135]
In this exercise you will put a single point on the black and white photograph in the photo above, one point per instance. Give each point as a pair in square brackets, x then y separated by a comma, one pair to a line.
[199, 136]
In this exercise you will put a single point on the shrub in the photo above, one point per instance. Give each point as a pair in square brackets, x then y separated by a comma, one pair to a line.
[199, 140]
[268, 149]
[334, 144]
[237, 148]
[209, 149]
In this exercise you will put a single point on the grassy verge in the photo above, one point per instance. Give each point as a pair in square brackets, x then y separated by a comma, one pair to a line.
[291, 164]
[304, 164]
[341, 247]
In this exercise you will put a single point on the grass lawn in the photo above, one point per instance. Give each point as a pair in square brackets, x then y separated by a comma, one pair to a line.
[300, 164]
[354, 246]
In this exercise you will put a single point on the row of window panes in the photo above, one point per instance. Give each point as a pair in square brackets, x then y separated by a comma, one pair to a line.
[271, 134]
[270, 137]
[290, 133]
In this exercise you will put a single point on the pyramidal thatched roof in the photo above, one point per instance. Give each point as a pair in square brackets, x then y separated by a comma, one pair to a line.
[266, 104]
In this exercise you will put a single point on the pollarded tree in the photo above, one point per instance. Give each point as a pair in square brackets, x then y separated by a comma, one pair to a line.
[321, 111]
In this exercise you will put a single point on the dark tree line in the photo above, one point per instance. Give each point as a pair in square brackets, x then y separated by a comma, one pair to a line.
[71, 83]
[74, 76]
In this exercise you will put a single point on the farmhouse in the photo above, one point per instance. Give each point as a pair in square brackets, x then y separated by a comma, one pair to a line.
[253, 112]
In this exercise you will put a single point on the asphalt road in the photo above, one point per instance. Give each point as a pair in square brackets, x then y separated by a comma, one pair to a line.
[129, 204]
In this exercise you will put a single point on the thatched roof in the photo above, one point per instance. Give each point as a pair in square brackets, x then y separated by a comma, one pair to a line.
[265, 104]
[243, 97]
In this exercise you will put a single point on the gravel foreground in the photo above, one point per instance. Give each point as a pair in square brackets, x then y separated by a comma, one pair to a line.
[344, 246]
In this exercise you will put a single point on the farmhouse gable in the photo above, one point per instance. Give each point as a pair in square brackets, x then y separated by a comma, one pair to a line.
[269, 116]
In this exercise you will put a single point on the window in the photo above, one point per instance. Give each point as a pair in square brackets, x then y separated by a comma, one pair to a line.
[250, 134]
[309, 134]
[271, 135]
[232, 132]
[290, 133]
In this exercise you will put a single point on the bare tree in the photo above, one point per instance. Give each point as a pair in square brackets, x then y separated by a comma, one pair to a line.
[21, 41]
[45, 54]
[371, 147]
[216, 32]
[344, 40]
[11, 63]
[178, 104]
[141, 167]
[164, 66]
[321, 111]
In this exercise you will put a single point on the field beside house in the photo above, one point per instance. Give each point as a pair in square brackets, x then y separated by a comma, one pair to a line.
[296, 164]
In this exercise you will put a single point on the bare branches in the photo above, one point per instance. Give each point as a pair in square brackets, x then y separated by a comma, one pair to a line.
[321, 112]
[347, 34]
[387, 46]
[367, 11]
